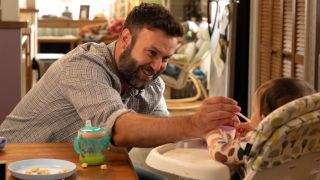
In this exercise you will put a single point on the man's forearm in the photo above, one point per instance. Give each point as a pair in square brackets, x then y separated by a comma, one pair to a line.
[132, 129]
[136, 130]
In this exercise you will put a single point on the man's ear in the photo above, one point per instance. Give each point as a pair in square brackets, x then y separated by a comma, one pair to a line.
[125, 38]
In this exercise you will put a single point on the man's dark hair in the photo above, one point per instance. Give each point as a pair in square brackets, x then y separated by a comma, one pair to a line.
[152, 16]
[277, 92]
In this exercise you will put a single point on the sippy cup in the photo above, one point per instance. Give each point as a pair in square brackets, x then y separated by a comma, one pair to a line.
[91, 143]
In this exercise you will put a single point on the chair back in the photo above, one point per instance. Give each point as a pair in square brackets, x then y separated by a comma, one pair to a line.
[186, 66]
[286, 144]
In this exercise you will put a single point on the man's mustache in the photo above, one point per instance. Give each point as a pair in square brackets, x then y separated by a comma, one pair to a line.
[149, 70]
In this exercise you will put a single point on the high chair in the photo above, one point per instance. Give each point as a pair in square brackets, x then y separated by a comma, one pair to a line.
[286, 144]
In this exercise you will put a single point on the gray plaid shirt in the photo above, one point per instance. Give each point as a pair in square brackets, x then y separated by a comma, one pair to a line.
[81, 85]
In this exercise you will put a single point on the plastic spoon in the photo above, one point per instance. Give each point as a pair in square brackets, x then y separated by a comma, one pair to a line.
[243, 116]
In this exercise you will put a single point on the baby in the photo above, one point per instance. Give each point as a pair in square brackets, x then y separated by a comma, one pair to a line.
[226, 144]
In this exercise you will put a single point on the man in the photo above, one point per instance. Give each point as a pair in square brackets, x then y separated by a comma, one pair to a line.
[117, 86]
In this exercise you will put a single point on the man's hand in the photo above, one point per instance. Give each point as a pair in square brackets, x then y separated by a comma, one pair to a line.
[214, 112]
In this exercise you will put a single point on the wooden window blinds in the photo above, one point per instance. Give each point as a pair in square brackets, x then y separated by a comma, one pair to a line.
[282, 39]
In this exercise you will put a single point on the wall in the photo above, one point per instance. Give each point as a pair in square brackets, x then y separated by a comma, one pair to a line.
[10, 57]
[10, 10]
[253, 52]
[97, 6]
[310, 39]
[10, 91]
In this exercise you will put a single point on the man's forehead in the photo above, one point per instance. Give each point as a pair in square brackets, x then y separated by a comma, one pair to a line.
[157, 39]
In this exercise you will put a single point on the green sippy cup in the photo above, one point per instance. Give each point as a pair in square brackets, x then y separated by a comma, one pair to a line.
[91, 143]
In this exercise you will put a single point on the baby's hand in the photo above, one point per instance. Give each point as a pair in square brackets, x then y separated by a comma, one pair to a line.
[243, 129]
[235, 122]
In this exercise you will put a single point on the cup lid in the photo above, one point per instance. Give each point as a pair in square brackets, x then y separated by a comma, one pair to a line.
[90, 129]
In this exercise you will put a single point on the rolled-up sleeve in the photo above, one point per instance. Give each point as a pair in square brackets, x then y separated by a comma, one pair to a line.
[161, 109]
[89, 89]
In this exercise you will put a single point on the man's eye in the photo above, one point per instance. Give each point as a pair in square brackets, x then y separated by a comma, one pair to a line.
[152, 53]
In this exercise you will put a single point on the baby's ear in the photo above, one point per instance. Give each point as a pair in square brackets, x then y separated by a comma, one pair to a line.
[257, 120]
[261, 118]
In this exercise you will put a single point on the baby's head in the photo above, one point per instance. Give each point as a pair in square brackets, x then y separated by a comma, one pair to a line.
[275, 93]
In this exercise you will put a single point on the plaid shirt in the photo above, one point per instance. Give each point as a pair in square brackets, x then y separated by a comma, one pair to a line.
[81, 85]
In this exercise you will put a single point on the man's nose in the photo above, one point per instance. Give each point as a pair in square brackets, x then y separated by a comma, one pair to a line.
[156, 64]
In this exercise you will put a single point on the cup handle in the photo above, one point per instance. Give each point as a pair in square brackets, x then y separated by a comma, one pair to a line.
[3, 142]
[107, 140]
[76, 145]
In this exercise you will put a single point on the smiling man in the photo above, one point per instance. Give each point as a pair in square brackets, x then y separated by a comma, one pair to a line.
[152, 51]
[118, 87]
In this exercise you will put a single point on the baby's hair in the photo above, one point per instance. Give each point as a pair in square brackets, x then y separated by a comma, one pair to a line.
[277, 92]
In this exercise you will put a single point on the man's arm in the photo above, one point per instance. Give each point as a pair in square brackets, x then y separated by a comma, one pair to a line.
[136, 130]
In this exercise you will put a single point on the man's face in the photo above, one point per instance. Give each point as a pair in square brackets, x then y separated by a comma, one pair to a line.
[145, 57]
[129, 69]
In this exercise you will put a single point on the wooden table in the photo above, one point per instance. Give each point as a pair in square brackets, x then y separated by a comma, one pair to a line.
[117, 160]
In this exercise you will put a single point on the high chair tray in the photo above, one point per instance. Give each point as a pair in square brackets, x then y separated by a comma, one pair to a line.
[189, 158]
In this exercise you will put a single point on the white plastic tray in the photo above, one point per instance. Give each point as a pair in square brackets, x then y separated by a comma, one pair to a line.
[189, 158]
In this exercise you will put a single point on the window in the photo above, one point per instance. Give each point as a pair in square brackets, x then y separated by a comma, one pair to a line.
[282, 39]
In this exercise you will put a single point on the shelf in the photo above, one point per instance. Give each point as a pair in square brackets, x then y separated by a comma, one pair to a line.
[63, 23]
[13, 24]
[28, 10]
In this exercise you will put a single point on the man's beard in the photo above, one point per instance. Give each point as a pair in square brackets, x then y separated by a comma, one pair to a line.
[128, 68]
